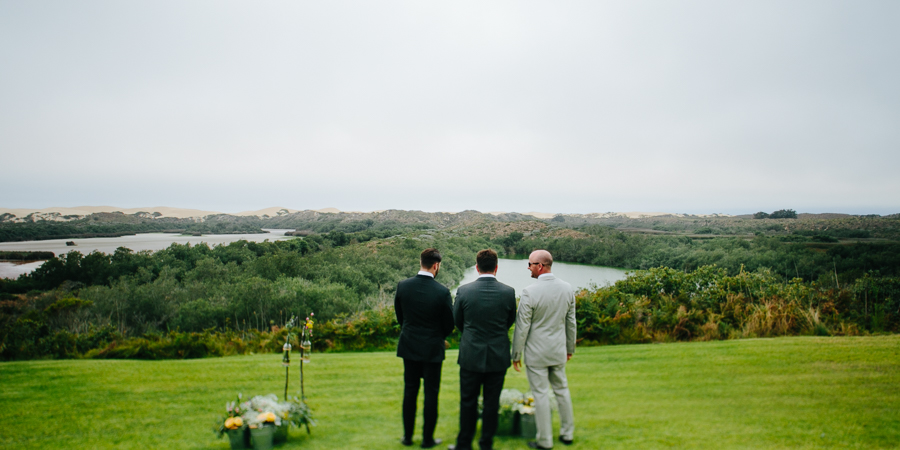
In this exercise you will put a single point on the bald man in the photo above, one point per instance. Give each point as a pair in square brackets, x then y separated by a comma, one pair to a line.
[545, 334]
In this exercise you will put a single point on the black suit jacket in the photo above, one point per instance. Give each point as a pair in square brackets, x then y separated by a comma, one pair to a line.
[484, 311]
[425, 314]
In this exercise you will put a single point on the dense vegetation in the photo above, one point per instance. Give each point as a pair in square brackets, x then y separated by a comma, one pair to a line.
[26, 256]
[793, 256]
[189, 301]
[118, 224]
[780, 214]
[243, 286]
[664, 305]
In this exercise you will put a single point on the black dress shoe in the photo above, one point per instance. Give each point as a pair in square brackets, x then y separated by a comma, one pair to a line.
[565, 441]
[534, 444]
[433, 443]
[406, 441]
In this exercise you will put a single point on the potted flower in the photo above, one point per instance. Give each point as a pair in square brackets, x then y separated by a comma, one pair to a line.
[234, 425]
[506, 417]
[525, 411]
[262, 430]
[265, 420]
[299, 414]
[281, 431]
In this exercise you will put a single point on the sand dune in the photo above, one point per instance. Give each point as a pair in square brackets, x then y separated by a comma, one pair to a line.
[165, 211]
[59, 213]
[271, 212]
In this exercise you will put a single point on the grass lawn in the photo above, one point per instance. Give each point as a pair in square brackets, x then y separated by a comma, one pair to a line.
[802, 392]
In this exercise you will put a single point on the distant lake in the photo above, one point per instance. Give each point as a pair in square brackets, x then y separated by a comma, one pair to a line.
[138, 242]
[12, 269]
[515, 273]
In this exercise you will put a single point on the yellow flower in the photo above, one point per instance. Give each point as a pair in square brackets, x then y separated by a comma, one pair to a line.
[238, 422]
[266, 417]
[233, 423]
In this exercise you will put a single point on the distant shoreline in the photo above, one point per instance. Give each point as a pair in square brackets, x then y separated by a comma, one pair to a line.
[67, 213]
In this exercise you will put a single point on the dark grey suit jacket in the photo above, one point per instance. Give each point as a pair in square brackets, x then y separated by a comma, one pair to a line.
[484, 311]
[425, 314]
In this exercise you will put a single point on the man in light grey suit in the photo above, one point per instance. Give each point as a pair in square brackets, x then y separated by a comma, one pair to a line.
[545, 333]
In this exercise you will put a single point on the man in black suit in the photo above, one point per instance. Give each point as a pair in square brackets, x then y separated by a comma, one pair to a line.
[425, 315]
[484, 311]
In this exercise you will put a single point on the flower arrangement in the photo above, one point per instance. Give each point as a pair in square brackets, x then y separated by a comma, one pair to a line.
[300, 414]
[233, 419]
[266, 410]
[264, 420]
[509, 400]
[525, 404]
[525, 412]
[306, 336]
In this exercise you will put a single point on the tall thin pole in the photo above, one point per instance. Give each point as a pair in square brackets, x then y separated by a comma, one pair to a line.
[287, 370]
[286, 362]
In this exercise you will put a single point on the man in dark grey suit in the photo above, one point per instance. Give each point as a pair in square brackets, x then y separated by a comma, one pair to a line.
[545, 333]
[424, 312]
[484, 311]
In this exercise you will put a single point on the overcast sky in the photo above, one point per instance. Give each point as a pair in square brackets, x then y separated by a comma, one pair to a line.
[557, 106]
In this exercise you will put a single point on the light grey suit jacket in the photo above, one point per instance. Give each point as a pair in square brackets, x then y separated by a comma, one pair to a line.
[545, 323]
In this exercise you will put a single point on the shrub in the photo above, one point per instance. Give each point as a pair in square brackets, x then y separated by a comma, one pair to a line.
[665, 305]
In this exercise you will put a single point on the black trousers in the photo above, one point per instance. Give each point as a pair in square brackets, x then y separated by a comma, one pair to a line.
[430, 373]
[470, 385]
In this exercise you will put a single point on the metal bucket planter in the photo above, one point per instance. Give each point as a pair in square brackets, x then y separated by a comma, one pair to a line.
[281, 433]
[506, 424]
[527, 427]
[239, 438]
[262, 437]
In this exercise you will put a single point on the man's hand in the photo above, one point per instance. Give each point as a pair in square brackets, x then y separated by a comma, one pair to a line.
[568, 356]
[516, 366]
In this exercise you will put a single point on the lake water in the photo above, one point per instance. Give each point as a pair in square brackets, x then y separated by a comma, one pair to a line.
[515, 273]
[138, 242]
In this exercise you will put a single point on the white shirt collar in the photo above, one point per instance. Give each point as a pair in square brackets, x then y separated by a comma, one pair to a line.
[422, 272]
[487, 275]
[544, 275]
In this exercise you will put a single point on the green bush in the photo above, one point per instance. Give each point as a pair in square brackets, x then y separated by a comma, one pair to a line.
[661, 305]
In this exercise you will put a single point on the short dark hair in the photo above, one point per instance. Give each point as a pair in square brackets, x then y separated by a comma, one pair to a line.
[486, 260]
[429, 257]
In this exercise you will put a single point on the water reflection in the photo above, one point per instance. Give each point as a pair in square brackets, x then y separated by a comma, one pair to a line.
[138, 242]
[12, 269]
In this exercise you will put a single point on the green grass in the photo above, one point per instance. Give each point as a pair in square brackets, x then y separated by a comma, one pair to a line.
[800, 392]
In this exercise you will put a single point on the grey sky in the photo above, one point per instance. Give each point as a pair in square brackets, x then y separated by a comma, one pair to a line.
[676, 106]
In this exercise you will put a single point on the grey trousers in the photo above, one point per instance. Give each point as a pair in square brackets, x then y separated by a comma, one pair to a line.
[542, 380]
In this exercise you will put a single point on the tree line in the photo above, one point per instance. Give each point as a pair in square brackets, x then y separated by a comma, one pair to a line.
[794, 256]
